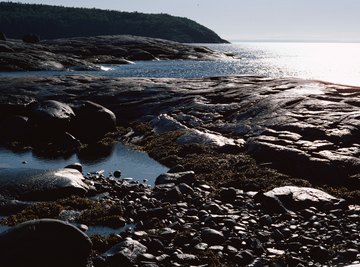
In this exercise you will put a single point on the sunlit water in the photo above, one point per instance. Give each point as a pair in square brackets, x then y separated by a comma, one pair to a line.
[132, 163]
[333, 62]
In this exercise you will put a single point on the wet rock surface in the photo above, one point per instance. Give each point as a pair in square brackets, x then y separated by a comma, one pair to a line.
[56, 125]
[304, 128]
[83, 53]
[34, 184]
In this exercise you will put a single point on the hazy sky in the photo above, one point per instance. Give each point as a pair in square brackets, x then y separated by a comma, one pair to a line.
[308, 20]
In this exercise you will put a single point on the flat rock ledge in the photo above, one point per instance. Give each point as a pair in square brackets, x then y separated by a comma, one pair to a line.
[304, 128]
[86, 53]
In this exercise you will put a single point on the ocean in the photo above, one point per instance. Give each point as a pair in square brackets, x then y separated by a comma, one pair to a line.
[332, 62]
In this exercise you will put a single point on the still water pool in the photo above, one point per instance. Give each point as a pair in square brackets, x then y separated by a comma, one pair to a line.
[132, 163]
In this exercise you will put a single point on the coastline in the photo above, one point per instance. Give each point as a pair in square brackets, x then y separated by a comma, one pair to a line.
[228, 141]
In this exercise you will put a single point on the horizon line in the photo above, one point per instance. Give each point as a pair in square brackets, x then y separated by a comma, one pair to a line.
[289, 41]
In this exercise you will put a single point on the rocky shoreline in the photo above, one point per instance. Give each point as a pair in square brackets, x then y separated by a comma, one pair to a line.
[217, 206]
[307, 129]
[184, 221]
[87, 53]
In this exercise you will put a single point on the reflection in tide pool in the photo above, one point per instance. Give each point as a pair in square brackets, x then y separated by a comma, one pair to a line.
[132, 163]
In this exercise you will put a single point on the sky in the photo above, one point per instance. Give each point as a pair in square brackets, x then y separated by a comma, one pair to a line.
[251, 20]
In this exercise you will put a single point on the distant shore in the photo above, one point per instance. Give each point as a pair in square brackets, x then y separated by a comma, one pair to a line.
[86, 53]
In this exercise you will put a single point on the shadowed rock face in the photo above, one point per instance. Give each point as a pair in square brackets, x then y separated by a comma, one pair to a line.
[83, 53]
[92, 121]
[305, 128]
[44, 242]
[33, 184]
[51, 117]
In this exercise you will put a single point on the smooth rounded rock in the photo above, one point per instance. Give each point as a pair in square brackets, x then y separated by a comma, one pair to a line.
[50, 119]
[44, 243]
[35, 184]
[14, 128]
[92, 121]
[319, 254]
[187, 177]
[228, 195]
[117, 174]
[244, 258]
[212, 237]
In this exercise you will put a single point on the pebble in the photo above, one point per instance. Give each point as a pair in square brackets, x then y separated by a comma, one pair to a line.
[117, 174]
[212, 237]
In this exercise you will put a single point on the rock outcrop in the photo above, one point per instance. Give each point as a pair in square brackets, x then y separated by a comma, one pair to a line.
[82, 53]
[304, 128]
[53, 122]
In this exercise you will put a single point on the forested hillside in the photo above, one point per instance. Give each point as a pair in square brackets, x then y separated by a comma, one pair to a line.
[50, 22]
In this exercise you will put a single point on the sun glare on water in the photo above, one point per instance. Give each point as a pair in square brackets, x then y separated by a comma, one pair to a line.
[334, 62]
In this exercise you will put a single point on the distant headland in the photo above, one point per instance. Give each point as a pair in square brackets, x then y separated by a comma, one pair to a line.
[51, 22]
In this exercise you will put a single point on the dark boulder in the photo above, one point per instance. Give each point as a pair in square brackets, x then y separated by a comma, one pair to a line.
[173, 195]
[187, 177]
[14, 128]
[319, 254]
[50, 119]
[44, 243]
[92, 121]
[227, 195]
[67, 142]
[117, 174]
[12, 104]
[244, 258]
[34, 184]
[212, 237]
[31, 38]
